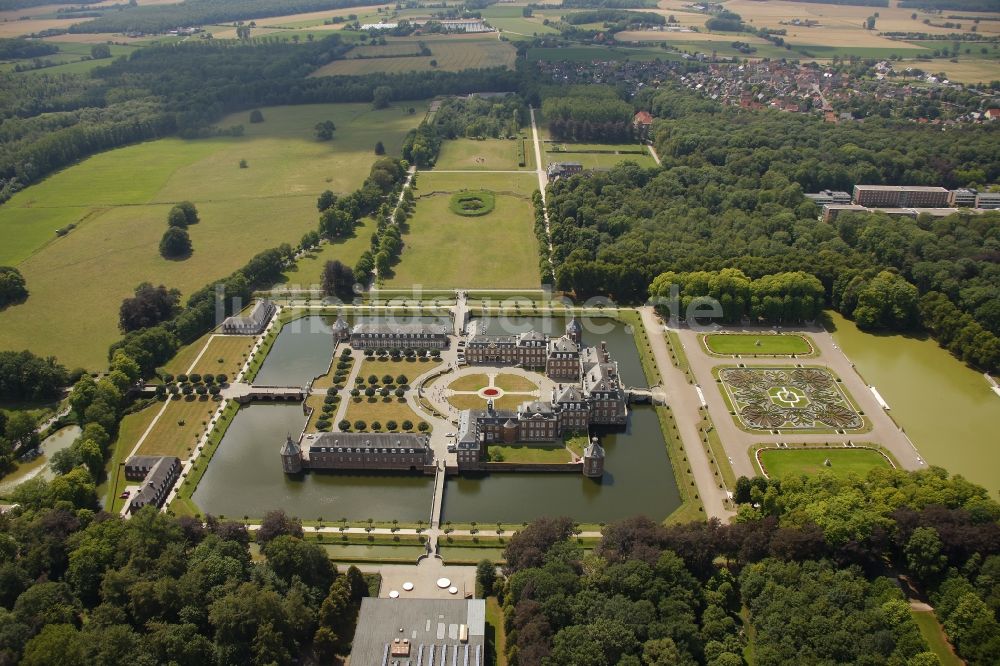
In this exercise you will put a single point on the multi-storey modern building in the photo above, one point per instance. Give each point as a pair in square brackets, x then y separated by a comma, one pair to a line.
[962, 198]
[988, 200]
[900, 196]
[253, 324]
[829, 197]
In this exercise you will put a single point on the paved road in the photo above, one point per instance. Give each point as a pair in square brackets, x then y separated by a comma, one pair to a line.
[685, 405]
[737, 441]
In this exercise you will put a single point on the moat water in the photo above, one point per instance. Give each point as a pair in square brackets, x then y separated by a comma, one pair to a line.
[947, 409]
[39, 466]
[245, 477]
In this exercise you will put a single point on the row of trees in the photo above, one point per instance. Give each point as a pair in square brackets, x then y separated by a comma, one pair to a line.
[781, 298]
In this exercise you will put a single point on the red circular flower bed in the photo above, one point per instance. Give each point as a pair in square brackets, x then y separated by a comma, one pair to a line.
[491, 391]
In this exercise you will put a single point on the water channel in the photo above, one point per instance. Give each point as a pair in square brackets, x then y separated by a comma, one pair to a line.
[947, 409]
[637, 478]
[245, 477]
[39, 466]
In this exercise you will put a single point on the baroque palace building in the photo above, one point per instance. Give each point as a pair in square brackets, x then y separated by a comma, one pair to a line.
[588, 393]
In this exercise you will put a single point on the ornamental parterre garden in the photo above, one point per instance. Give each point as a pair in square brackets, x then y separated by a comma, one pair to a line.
[788, 398]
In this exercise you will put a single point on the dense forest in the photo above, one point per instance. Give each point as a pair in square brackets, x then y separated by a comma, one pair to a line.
[586, 113]
[731, 197]
[962, 5]
[158, 18]
[807, 574]
[83, 587]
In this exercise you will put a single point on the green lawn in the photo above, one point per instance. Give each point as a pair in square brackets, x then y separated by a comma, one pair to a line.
[469, 383]
[308, 271]
[119, 202]
[177, 431]
[781, 463]
[533, 454]
[488, 154]
[931, 630]
[782, 344]
[443, 250]
[225, 354]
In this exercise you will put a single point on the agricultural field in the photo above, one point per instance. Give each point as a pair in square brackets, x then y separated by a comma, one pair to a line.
[783, 463]
[591, 53]
[488, 154]
[498, 250]
[119, 200]
[757, 344]
[510, 20]
[452, 53]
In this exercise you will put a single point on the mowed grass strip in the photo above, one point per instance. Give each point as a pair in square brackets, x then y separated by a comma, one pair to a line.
[782, 463]
[225, 354]
[119, 201]
[444, 250]
[781, 344]
[470, 401]
[180, 426]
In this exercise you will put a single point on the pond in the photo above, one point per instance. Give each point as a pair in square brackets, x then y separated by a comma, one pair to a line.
[947, 409]
[39, 465]
[305, 346]
[638, 479]
[245, 478]
[618, 335]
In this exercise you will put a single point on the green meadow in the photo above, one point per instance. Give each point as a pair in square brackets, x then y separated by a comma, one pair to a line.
[119, 200]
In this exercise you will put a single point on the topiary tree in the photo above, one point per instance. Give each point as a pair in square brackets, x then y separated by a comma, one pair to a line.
[360, 425]
[376, 425]
[391, 425]
[344, 425]
[407, 425]
[423, 426]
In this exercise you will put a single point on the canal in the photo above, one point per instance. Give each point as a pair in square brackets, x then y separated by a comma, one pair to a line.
[39, 465]
[245, 477]
[947, 409]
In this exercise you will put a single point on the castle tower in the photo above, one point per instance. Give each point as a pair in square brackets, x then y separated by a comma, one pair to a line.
[593, 459]
[574, 331]
[341, 329]
[291, 456]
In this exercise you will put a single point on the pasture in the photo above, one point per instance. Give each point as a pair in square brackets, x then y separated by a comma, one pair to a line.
[784, 463]
[119, 201]
[498, 250]
[452, 53]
